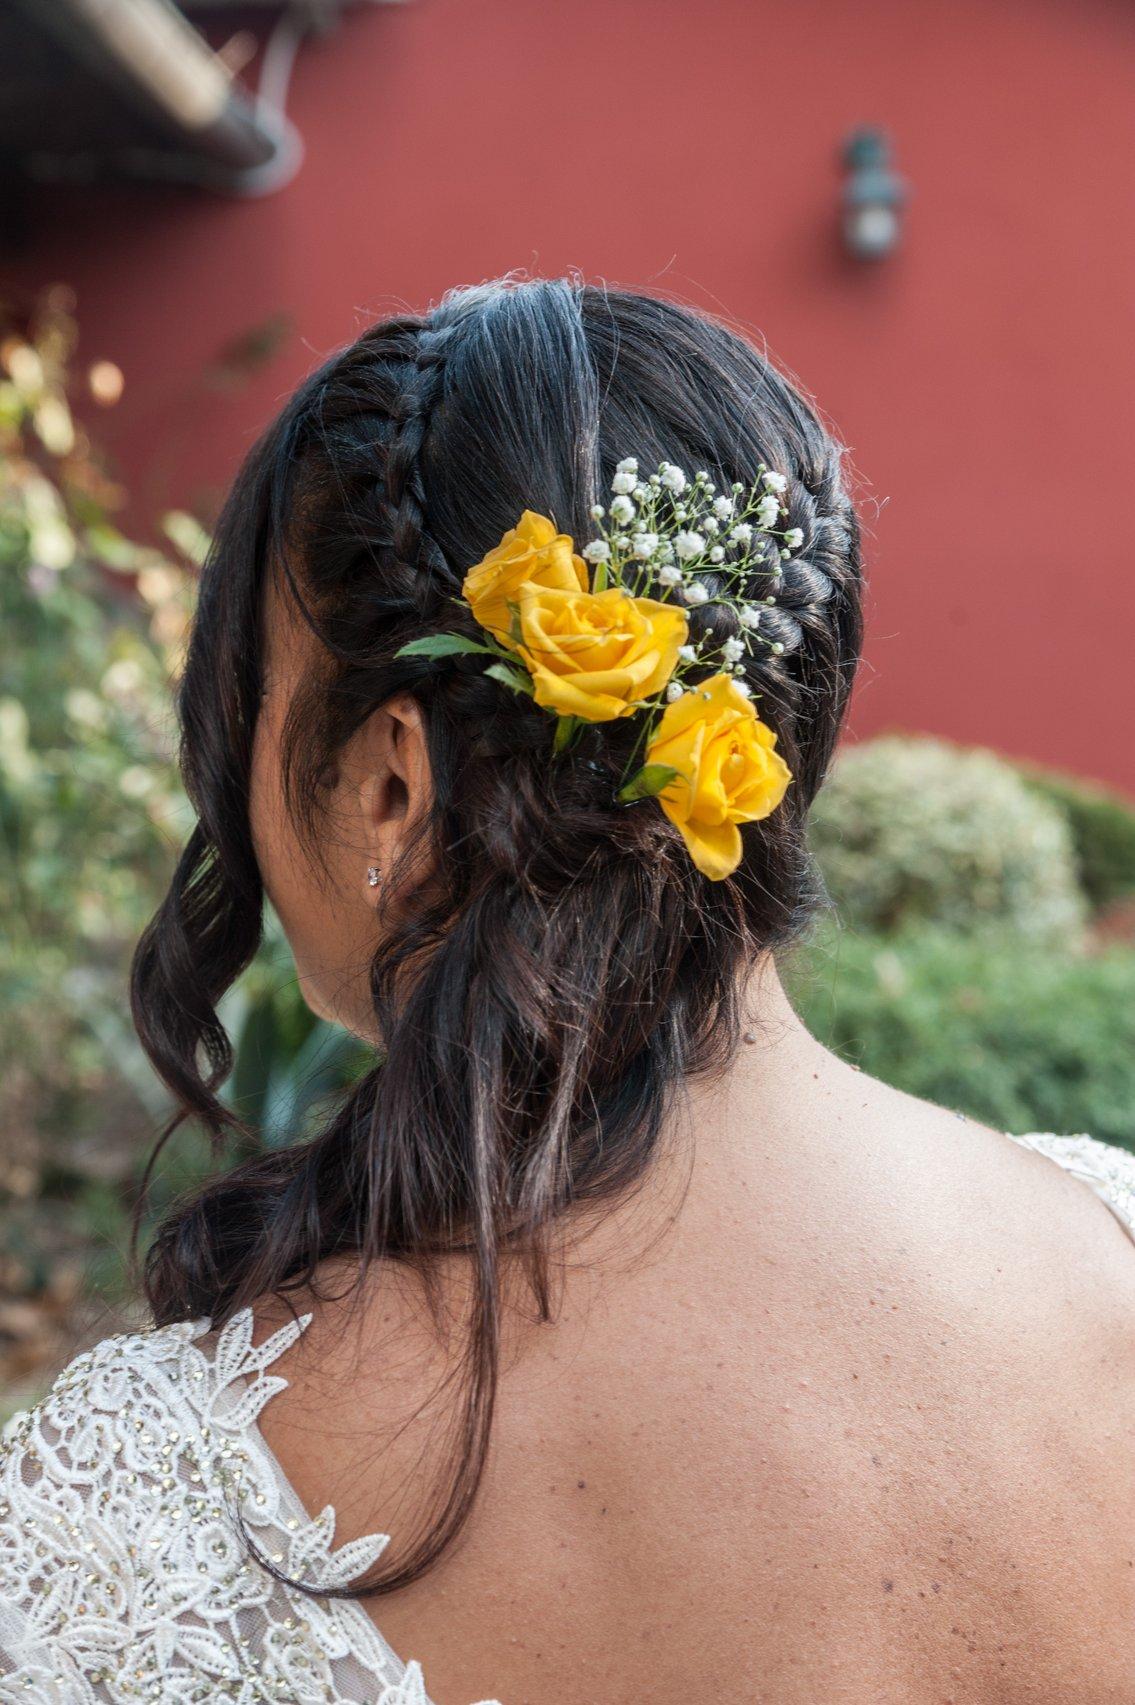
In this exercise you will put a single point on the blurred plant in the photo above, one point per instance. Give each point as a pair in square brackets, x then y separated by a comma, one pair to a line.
[1102, 825]
[967, 960]
[910, 829]
[287, 1062]
[991, 1023]
[93, 629]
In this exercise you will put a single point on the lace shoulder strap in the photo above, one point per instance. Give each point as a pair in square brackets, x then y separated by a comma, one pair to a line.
[124, 1574]
[1109, 1170]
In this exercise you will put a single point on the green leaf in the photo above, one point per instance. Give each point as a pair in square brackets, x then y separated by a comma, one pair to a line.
[442, 645]
[187, 533]
[599, 577]
[648, 782]
[110, 547]
[566, 729]
[511, 677]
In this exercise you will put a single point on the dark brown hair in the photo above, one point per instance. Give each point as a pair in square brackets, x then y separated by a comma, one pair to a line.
[566, 966]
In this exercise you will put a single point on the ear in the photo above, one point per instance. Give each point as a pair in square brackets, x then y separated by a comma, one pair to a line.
[396, 786]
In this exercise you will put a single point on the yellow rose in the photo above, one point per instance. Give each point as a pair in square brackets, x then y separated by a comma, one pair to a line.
[597, 655]
[532, 551]
[729, 771]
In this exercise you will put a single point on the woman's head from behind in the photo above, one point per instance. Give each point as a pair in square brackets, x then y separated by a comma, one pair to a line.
[540, 964]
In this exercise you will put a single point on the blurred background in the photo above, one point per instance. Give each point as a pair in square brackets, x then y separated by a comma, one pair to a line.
[924, 212]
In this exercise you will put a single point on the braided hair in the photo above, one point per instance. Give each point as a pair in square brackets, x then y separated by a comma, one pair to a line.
[565, 968]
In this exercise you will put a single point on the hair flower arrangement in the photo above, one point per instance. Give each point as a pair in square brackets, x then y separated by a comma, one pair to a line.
[604, 634]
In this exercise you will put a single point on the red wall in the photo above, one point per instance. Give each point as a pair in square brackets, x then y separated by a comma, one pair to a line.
[985, 376]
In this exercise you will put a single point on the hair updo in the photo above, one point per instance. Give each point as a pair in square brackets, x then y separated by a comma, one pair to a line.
[566, 966]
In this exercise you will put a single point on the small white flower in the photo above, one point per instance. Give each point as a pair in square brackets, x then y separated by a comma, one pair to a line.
[723, 508]
[655, 482]
[737, 486]
[628, 465]
[644, 545]
[623, 483]
[733, 650]
[794, 538]
[702, 477]
[641, 492]
[775, 482]
[674, 691]
[710, 526]
[665, 552]
[768, 509]
[669, 575]
[742, 534]
[622, 509]
[688, 653]
[623, 541]
[696, 593]
[749, 616]
[689, 545]
[597, 551]
[744, 689]
[717, 554]
[597, 512]
[672, 477]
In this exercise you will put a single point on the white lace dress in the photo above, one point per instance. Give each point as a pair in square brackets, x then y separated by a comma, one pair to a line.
[122, 1574]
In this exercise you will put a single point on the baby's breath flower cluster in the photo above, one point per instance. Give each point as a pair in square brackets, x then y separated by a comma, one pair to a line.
[661, 532]
[597, 635]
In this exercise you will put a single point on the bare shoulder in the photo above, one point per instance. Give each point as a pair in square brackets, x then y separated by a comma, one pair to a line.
[1042, 1164]
[1055, 1209]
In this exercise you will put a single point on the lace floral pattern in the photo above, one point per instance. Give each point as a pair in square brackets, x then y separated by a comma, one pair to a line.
[123, 1573]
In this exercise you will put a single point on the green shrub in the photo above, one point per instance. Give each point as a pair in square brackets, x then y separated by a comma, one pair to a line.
[287, 1064]
[991, 1024]
[92, 632]
[910, 829]
[1103, 832]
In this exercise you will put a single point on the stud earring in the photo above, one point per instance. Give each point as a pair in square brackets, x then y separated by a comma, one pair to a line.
[373, 875]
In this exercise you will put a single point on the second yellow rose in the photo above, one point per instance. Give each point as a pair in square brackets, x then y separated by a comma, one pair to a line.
[597, 655]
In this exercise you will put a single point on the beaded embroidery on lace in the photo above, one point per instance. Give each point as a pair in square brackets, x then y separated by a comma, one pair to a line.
[122, 1574]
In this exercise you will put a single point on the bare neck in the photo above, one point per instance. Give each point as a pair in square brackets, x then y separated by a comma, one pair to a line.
[743, 1127]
